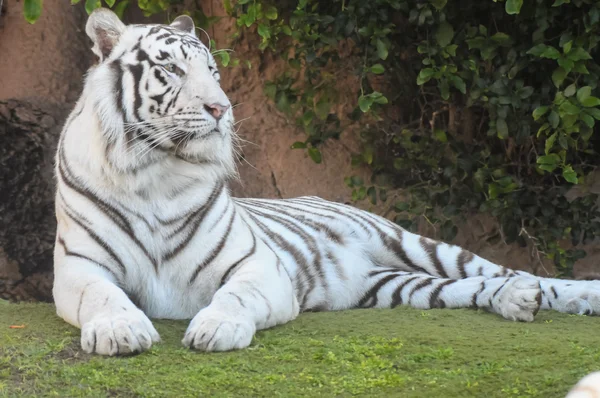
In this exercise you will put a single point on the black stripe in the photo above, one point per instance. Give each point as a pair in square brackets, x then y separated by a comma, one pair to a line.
[118, 86]
[328, 206]
[309, 240]
[397, 295]
[476, 295]
[431, 250]
[215, 251]
[137, 71]
[316, 226]
[463, 258]
[159, 77]
[299, 258]
[77, 218]
[110, 211]
[232, 268]
[195, 219]
[69, 253]
[434, 301]
[372, 293]
[421, 285]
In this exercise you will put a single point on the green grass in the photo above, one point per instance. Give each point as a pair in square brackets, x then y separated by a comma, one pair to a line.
[402, 352]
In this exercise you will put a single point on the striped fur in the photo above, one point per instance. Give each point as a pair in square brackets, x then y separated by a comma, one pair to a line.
[147, 227]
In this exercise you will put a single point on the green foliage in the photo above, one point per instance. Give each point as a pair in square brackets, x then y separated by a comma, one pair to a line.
[497, 106]
[32, 9]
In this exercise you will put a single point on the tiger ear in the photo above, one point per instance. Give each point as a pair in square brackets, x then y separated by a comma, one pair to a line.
[184, 23]
[105, 29]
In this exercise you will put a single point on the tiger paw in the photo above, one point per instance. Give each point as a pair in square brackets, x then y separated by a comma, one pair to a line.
[122, 334]
[519, 299]
[577, 300]
[214, 331]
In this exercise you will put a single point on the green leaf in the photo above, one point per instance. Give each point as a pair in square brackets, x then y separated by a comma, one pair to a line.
[578, 54]
[440, 135]
[459, 83]
[372, 194]
[264, 31]
[382, 50]
[424, 76]
[357, 181]
[438, 4]
[590, 102]
[120, 8]
[558, 76]
[501, 38]
[315, 155]
[502, 128]
[368, 155]
[570, 175]
[271, 13]
[537, 50]
[444, 34]
[227, 6]
[588, 120]
[298, 145]
[549, 162]
[365, 103]
[377, 69]
[570, 109]
[526, 92]
[286, 30]
[444, 89]
[550, 143]
[32, 9]
[91, 5]
[382, 100]
[570, 90]
[110, 3]
[322, 109]
[270, 90]
[73, 2]
[554, 119]
[494, 190]
[401, 206]
[594, 112]
[451, 49]
[513, 6]
[540, 111]
[224, 55]
[584, 93]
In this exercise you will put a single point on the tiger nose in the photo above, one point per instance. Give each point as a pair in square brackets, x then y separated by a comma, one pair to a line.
[216, 110]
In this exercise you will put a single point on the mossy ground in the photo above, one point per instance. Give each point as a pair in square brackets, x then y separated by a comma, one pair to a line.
[402, 352]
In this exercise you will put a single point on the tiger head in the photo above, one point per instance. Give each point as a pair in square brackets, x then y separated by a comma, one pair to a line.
[157, 96]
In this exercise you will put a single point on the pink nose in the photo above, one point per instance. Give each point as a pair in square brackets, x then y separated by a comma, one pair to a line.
[216, 110]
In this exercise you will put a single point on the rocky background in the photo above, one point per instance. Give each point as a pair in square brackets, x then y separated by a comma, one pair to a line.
[41, 73]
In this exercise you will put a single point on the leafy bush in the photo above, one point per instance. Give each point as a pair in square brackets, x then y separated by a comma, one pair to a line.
[465, 106]
[496, 105]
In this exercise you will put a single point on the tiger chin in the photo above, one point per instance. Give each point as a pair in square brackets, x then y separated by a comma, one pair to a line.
[147, 227]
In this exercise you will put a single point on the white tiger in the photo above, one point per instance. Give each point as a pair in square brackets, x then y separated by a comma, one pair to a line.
[147, 228]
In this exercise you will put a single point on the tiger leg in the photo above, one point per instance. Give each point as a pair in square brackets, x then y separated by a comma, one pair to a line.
[449, 261]
[514, 298]
[256, 296]
[86, 296]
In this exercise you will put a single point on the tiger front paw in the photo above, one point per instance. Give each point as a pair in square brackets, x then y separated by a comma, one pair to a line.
[118, 334]
[214, 331]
